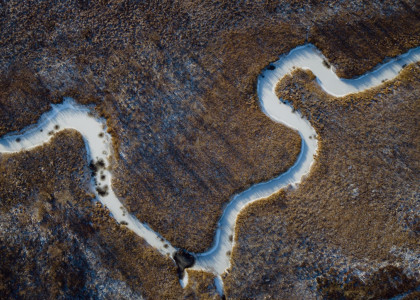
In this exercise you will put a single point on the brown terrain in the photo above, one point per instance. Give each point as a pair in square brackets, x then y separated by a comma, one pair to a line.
[356, 213]
[57, 243]
[177, 84]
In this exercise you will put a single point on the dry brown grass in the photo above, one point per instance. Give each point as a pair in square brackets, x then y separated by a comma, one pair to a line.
[132, 261]
[201, 286]
[225, 145]
[381, 159]
[55, 242]
[33, 173]
[357, 42]
[21, 89]
[385, 283]
[43, 196]
[176, 82]
[356, 206]
[177, 85]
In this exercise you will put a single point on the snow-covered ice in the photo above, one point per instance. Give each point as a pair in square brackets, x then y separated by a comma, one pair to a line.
[70, 115]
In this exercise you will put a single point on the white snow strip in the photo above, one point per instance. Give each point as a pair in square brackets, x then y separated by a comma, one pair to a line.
[71, 115]
[184, 281]
[306, 57]
[218, 282]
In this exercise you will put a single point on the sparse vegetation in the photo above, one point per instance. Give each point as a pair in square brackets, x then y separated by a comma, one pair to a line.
[181, 101]
[357, 43]
[202, 284]
[385, 283]
[56, 242]
[356, 206]
[177, 83]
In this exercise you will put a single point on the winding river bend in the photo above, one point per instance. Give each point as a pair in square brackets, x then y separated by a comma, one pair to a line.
[70, 115]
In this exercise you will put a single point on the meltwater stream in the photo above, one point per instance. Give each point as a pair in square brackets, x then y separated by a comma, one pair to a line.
[70, 115]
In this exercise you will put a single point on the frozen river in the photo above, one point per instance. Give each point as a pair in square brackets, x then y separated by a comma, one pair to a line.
[70, 115]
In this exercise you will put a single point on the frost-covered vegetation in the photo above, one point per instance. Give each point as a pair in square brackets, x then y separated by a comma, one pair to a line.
[350, 231]
[176, 81]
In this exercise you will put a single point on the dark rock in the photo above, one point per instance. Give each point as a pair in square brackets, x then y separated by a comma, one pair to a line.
[96, 166]
[183, 261]
[271, 67]
[103, 191]
[100, 163]
[266, 279]
[325, 63]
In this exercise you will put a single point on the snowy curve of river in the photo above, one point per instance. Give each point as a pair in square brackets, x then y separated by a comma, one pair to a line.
[70, 115]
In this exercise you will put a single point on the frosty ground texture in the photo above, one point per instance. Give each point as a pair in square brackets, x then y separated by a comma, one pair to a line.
[70, 115]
